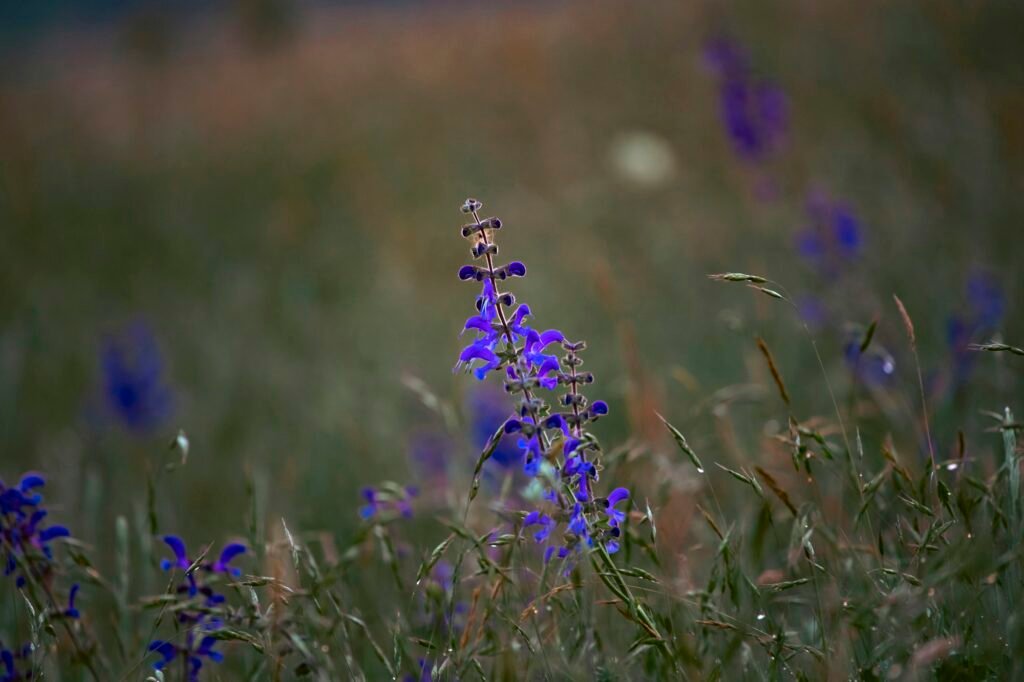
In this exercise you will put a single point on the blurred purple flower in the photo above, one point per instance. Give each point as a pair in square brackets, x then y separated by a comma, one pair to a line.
[833, 237]
[754, 111]
[390, 497]
[133, 382]
[984, 311]
[812, 311]
[429, 452]
[874, 367]
[10, 659]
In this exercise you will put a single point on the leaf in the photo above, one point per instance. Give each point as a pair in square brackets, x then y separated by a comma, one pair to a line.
[737, 277]
[907, 322]
[774, 486]
[683, 445]
[434, 557]
[868, 335]
[769, 292]
[489, 448]
[995, 348]
[773, 368]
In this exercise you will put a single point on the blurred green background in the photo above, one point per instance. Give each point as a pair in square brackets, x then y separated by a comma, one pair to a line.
[273, 190]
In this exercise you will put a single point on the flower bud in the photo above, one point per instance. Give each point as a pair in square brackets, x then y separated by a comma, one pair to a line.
[471, 205]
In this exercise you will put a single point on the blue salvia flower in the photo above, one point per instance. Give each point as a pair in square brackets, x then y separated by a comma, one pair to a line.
[21, 530]
[505, 342]
[11, 660]
[196, 649]
[198, 643]
[754, 111]
[833, 238]
[134, 387]
[546, 523]
[194, 586]
[615, 516]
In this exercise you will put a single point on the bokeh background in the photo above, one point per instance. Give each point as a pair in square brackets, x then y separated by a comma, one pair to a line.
[243, 222]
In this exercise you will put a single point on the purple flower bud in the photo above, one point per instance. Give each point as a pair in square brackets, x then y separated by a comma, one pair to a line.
[517, 269]
[468, 272]
[599, 407]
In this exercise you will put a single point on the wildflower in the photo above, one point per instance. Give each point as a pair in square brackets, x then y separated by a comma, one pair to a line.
[985, 308]
[428, 453]
[195, 649]
[874, 366]
[71, 611]
[754, 111]
[11, 659]
[194, 587]
[615, 516]
[504, 341]
[833, 237]
[133, 383]
[21, 533]
[545, 522]
[390, 496]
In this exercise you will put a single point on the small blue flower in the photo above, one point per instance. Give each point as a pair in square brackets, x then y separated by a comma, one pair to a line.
[193, 651]
[71, 611]
[615, 516]
[834, 236]
[546, 523]
[875, 366]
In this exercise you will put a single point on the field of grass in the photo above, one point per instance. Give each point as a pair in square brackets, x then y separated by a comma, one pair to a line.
[231, 307]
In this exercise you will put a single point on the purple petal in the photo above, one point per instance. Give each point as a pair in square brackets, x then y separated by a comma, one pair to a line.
[178, 547]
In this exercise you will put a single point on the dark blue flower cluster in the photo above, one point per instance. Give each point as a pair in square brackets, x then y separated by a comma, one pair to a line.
[133, 382]
[201, 613]
[754, 111]
[555, 439]
[16, 663]
[833, 236]
[26, 543]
